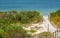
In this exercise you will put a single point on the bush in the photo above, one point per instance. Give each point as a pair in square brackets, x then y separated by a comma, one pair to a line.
[12, 31]
[2, 33]
[55, 18]
[32, 31]
[45, 35]
[16, 32]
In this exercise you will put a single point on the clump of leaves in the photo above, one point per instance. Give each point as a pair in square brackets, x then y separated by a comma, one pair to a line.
[45, 35]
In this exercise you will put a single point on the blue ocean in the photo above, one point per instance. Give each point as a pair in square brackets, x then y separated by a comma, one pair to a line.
[43, 6]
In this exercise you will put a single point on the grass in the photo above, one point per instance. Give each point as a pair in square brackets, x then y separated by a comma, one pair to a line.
[32, 31]
[45, 35]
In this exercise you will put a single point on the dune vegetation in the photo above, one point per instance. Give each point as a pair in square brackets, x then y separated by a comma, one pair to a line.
[45, 35]
[55, 18]
[23, 17]
[11, 23]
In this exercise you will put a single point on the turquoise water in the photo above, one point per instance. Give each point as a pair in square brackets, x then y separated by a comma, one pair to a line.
[43, 6]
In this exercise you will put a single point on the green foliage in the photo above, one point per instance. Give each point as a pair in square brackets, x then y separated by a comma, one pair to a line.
[22, 17]
[29, 16]
[2, 33]
[55, 17]
[12, 31]
[45, 35]
[16, 31]
[9, 19]
[32, 31]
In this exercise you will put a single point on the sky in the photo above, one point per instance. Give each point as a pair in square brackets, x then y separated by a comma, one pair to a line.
[43, 6]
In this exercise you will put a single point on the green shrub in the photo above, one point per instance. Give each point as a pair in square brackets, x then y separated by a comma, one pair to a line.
[2, 33]
[32, 31]
[45, 35]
